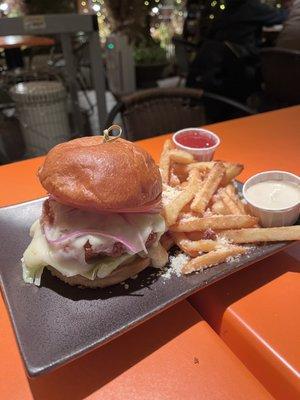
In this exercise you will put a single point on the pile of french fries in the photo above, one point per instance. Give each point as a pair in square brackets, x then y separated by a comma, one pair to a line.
[205, 216]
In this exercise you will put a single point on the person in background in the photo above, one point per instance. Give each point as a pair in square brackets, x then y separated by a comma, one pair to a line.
[289, 37]
[227, 59]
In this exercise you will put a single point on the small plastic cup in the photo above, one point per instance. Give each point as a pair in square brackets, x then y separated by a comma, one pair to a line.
[200, 154]
[267, 217]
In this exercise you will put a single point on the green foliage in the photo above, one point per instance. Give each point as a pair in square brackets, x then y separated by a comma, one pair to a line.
[149, 52]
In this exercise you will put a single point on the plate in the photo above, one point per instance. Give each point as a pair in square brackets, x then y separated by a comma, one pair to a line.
[57, 323]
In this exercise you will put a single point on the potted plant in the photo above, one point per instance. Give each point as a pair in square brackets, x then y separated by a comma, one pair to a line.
[150, 62]
[132, 18]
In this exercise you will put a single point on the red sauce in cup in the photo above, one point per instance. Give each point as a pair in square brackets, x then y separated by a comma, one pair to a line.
[195, 140]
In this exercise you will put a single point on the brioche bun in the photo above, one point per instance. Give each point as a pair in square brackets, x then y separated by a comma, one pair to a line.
[90, 174]
[120, 274]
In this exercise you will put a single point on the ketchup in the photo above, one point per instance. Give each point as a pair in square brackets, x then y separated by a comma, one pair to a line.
[195, 140]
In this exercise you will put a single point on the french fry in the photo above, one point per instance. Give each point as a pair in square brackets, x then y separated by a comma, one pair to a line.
[220, 208]
[181, 171]
[201, 166]
[253, 235]
[208, 188]
[214, 222]
[194, 178]
[173, 209]
[180, 240]
[202, 235]
[229, 202]
[186, 213]
[232, 171]
[199, 246]
[230, 189]
[167, 241]
[184, 184]
[195, 235]
[181, 157]
[164, 163]
[174, 180]
[212, 258]
[218, 230]
[193, 247]
[241, 206]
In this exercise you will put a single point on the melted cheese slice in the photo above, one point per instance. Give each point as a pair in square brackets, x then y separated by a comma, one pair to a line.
[40, 253]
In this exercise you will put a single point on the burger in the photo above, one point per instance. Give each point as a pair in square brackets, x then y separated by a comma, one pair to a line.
[101, 222]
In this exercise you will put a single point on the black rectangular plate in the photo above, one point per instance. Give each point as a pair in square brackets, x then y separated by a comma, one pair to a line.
[56, 322]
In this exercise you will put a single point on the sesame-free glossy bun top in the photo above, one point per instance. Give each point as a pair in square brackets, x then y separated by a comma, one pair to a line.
[90, 174]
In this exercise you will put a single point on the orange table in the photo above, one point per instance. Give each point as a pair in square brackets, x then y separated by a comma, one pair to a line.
[160, 358]
[256, 313]
[176, 355]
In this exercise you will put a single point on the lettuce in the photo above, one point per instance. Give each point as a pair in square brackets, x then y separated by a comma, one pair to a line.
[32, 275]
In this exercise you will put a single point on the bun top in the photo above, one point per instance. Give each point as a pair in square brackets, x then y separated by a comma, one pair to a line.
[90, 174]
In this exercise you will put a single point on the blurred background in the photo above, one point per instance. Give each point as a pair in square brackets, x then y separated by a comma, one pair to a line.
[72, 68]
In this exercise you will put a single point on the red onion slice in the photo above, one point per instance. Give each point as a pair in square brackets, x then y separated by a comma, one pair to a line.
[75, 234]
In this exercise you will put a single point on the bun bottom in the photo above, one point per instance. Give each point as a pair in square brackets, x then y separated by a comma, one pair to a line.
[120, 274]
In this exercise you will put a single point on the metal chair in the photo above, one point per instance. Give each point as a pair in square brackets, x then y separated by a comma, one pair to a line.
[281, 75]
[153, 112]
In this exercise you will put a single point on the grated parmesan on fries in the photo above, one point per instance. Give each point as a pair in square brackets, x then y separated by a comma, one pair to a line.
[207, 218]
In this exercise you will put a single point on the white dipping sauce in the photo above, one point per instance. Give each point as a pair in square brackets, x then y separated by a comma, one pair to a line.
[274, 195]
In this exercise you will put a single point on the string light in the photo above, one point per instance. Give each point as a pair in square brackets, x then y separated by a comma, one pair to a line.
[96, 7]
[211, 16]
[3, 6]
[146, 3]
[213, 3]
[222, 6]
[83, 3]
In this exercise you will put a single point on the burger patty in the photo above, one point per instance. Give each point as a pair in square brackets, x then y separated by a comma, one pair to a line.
[117, 250]
[90, 255]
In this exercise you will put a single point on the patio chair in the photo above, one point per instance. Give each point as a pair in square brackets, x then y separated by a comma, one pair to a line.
[153, 112]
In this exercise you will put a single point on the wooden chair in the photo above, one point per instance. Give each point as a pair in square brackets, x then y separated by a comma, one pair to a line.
[153, 112]
[281, 74]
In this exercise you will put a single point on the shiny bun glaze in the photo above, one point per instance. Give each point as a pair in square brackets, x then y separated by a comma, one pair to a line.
[89, 174]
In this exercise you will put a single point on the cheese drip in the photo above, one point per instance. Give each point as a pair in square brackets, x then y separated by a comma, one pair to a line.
[70, 261]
